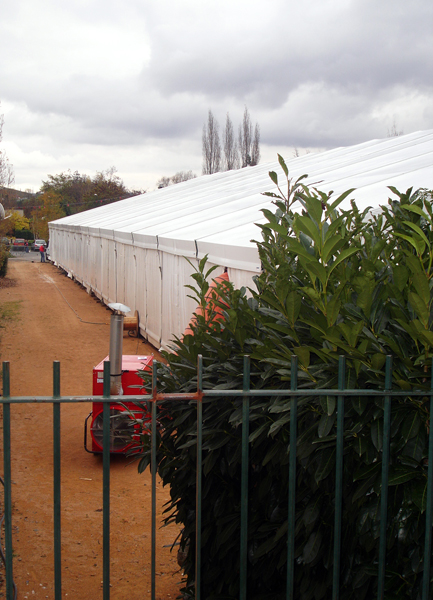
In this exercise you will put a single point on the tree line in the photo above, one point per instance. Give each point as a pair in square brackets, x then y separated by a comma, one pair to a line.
[62, 195]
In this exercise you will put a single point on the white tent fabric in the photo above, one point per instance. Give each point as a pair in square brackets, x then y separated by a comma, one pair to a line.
[133, 251]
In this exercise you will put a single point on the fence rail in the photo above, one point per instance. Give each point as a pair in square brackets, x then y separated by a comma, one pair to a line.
[246, 393]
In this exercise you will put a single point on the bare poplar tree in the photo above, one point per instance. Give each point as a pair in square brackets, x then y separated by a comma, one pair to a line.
[211, 146]
[7, 176]
[231, 155]
[249, 144]
[245, 139]
[394, 131]
[255, 148]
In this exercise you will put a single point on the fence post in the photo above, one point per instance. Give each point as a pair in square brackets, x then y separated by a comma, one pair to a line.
[292, 478]
[57, 489]
[429, 505]
[198, 500]
[385, 478]
[106, 484]
[244, 481]
[153, 478]
[338, 481]
[7, 480]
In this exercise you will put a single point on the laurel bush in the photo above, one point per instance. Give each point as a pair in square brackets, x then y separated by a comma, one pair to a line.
[334, 282]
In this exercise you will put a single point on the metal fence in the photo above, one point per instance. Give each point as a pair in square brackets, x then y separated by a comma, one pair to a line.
[246, 394]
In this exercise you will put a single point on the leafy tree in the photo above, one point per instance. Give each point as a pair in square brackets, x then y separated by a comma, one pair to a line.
[15, 222]
[333, 282]
[211, 146]
[78, 192]
[70, 188]
[50, 209]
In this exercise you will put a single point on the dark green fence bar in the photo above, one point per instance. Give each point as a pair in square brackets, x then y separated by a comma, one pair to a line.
[245, 394]
[199, 478]
[338, 480]
[385, 479]
[106, 485]
[153, 476]
[429, 506]
[57, 480]
[7, 480]
[292, 479]
[244, 481]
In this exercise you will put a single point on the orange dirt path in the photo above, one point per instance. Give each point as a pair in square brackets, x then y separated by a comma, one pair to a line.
[47, 329]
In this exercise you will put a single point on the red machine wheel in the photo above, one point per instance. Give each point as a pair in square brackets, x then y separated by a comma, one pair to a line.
[122, 430]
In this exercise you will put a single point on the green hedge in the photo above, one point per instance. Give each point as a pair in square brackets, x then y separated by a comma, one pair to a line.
[4, 256]
[334, 282]
[24, 234]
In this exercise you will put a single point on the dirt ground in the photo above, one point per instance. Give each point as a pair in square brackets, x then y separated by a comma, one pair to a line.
[50, 317]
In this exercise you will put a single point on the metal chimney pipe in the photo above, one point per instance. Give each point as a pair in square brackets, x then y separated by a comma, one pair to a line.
[116, 348]
[116, 352]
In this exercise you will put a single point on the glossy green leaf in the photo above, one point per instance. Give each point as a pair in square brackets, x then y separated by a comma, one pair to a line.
[325, 425]
[377, 434]
[274, 177]
[400, 274]
[306, 225]
[312, 547]
[283, 165]
[411, 425]
[317, 270]
[293, 306]
[303, 354]
[399, 475]
[326, 464]
[419, 306]
[418, 244]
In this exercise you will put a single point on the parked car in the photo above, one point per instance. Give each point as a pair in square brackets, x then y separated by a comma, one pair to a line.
[6, 242]
[18, 245]
[37, 244]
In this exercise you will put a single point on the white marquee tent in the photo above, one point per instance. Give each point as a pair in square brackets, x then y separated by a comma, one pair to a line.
[132, 251]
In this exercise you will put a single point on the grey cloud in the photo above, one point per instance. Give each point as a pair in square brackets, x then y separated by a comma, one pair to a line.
[370, 45]
[143, 75]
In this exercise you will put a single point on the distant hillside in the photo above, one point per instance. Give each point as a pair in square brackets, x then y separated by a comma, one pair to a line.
[10, 198]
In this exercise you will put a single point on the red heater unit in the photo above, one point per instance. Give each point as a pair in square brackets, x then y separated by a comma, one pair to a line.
[122, 427]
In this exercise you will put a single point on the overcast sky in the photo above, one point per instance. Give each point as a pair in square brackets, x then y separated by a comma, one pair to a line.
[90, 84]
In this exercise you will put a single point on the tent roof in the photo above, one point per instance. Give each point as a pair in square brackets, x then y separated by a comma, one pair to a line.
[216, 214]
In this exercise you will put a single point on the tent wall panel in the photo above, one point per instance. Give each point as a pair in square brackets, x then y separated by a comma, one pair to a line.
[141, 288]
[153, 297]
[120, 272]
[132, 251]
[242, 278]
[112, 270]
[177, 308]
[105, 270]
[130, 277]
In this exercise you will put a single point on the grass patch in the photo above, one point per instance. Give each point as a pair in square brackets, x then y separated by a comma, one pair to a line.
[9, 311]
